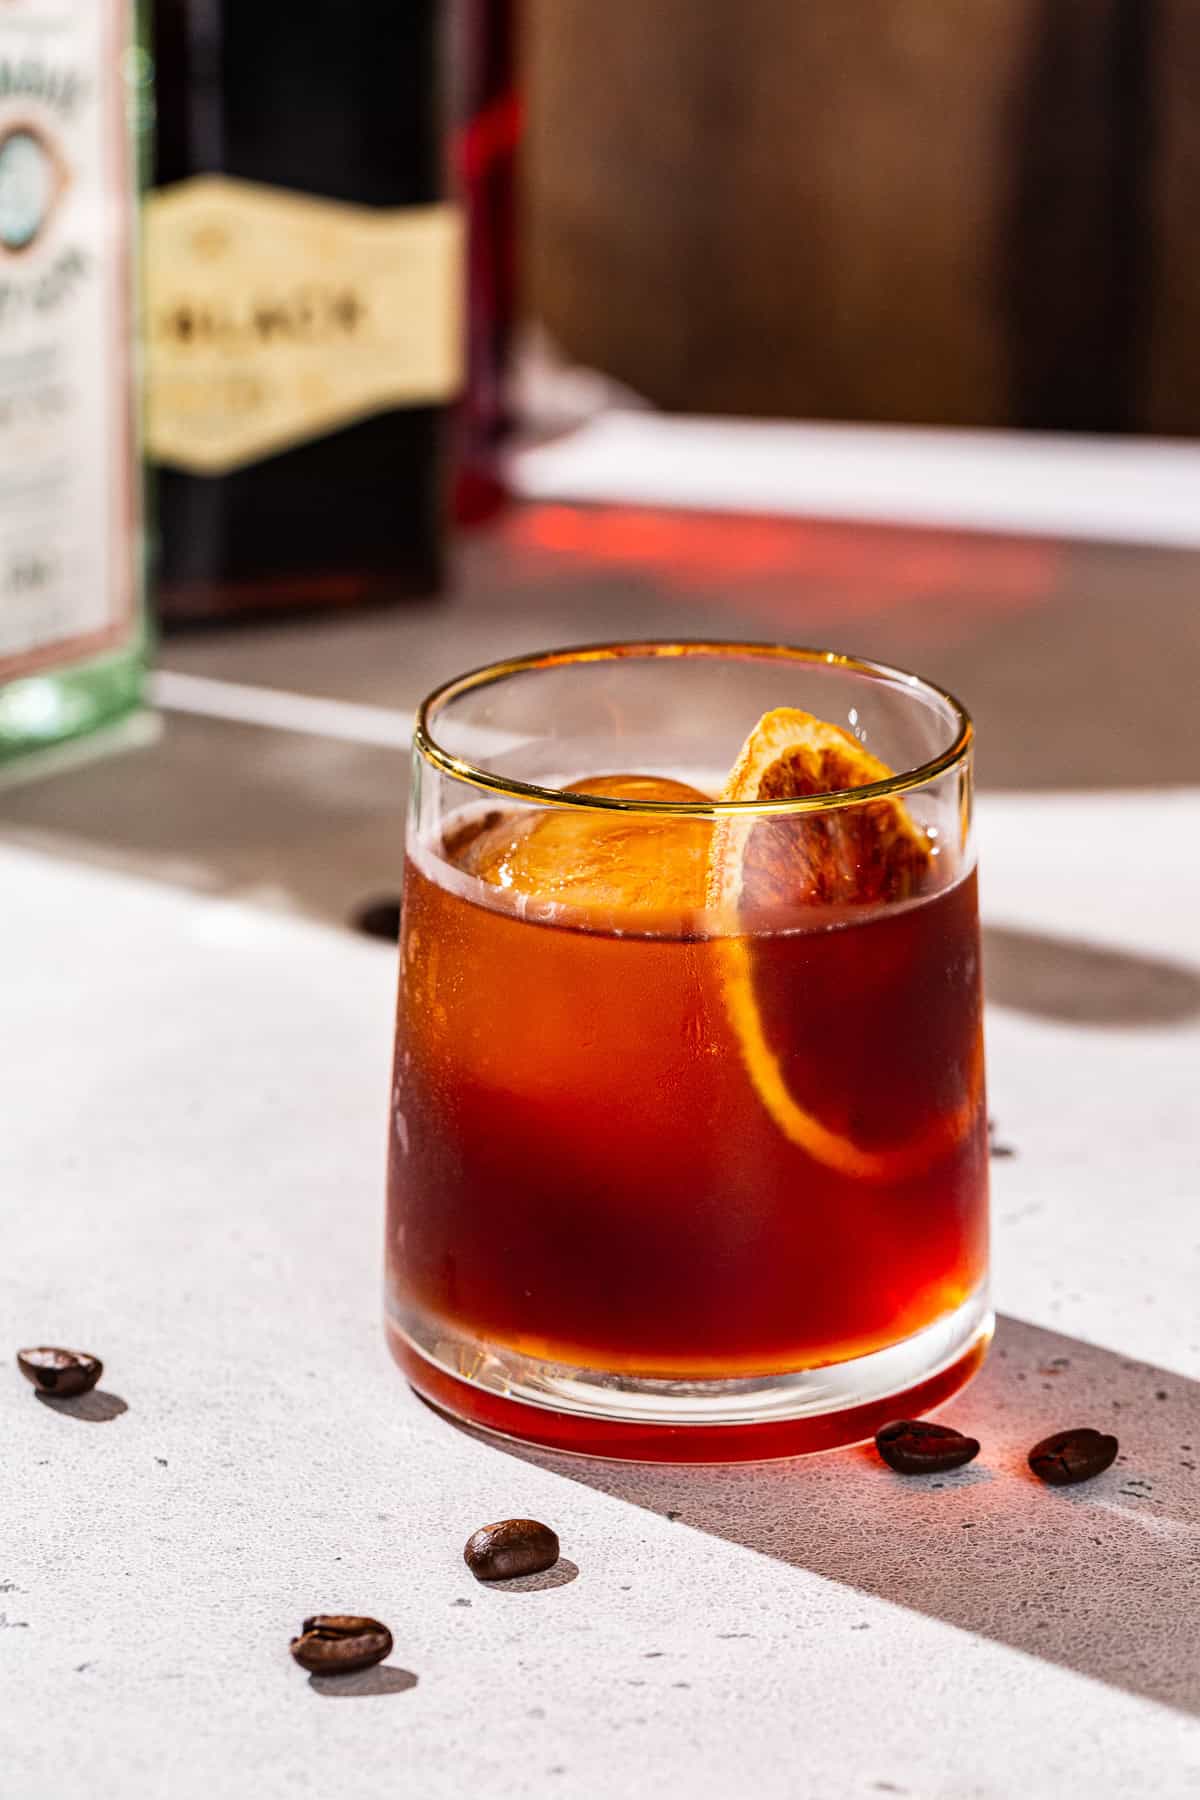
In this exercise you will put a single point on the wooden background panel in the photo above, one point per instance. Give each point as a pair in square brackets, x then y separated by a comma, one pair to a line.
[1174, 339]
[925, 210]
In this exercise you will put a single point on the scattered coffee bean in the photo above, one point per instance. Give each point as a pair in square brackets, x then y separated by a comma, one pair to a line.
[378, 918]
[918, 1447]
[340, 1643]
[60, 1372]
[510, 1547]
[1066, 1457]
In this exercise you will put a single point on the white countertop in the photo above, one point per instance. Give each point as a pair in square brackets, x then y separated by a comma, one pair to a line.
[190, 1184]
[1132, 490]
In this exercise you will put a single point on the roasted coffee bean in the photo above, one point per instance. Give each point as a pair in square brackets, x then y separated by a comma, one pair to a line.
[510, 1547]
[918, 1447]
[378, 918]
[60, 1372]
[1066, 1457]
[340, 1643]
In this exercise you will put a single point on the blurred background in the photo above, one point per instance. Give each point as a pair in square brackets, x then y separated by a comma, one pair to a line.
[886, 209]
[334, 362]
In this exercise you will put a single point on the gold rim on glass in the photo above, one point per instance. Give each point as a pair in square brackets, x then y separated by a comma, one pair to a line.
[902, 782]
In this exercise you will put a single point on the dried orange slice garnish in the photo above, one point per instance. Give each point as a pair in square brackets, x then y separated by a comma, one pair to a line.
[855, 854]
[860, 853]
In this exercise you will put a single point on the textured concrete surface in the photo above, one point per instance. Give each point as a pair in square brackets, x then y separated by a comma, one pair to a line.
[1079, 661]
[190, 1185]
[1047, 641]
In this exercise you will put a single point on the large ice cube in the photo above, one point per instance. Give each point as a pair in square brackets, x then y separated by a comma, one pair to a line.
[601, 860]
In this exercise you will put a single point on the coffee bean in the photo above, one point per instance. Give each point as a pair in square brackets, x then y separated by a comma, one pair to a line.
[918, 1447]
[340, 1643]
[1066, 1457]
[510, 1547]
[60, 1372]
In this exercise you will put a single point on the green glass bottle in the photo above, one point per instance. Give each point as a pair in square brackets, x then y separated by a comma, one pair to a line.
[75, 115]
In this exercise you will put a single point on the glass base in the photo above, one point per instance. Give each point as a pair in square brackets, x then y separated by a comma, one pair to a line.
[643, 1419]
[134, 731]
[60, 706]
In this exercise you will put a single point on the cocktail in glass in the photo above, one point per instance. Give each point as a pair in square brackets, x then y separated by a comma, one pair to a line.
[688, 1157]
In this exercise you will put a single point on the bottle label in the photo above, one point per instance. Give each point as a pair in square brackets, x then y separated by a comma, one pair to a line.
[274, 317]
[69, 500]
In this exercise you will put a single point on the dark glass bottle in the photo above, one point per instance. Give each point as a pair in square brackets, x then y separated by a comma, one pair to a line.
[302, 304]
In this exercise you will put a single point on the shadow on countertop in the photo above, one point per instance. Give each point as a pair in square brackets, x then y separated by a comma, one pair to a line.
[384, 1678]
[98, 1407]
[1077, 983]
[1103, 1578]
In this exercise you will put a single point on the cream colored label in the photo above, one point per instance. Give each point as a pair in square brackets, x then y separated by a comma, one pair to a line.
[68, 495]
[273, 317]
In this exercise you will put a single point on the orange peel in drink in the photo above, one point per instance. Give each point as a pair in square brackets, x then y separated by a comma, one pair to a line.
[857, 853]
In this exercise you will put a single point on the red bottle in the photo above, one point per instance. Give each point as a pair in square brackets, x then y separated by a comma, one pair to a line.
[486, 133]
